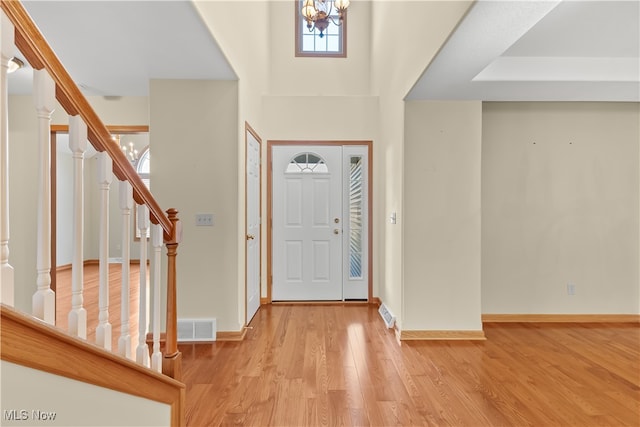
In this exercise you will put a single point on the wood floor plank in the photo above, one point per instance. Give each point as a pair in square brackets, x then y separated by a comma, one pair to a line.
[91, 285]
[306, 365]
[316, 365]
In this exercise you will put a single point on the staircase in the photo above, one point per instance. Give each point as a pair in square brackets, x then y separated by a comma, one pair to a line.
[133, 364]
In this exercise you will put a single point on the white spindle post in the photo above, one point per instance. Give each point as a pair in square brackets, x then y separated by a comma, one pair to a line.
[142, 352]
[156, 242]
[103, 331]
[43, 300]
[126, 203]
[78, 145]
[6, 270]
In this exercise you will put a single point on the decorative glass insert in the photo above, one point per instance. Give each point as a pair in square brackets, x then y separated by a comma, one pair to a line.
[356, 211]
[307, 163]
[328, 42]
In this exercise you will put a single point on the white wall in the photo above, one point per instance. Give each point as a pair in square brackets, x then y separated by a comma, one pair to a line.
[560, 205]
[442, 215]
[23, 182]
[130, 110]
[64, 203]
[194, 133]
[81, 404]
[115, 213]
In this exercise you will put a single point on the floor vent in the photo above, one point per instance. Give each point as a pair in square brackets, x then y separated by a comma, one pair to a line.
[389, 319]
[196, 330]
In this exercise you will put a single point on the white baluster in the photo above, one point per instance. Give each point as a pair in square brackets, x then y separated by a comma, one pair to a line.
[6, 270]
[126, 203]
[103, 331]
[142, 352]
[156, 242]
[78, 145]
[43, 300]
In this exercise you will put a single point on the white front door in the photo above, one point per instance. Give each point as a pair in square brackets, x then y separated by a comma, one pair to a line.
[253, 225]
[307, 223]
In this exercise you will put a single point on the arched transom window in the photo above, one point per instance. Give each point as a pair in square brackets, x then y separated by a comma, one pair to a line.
[307, 163]
[143, 166]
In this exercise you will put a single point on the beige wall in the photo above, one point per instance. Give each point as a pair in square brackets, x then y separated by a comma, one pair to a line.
[592, 230]
[399, 55]
[294, 76]
[442, 215]
[248, 53]
[193, 129]
[23, 200]
[382, 61]
[560, 205]
[320, 98]
[347, 118]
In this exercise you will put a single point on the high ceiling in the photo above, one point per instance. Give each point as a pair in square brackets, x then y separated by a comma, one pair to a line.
[113, 48]
[539, 51]
[571, 50]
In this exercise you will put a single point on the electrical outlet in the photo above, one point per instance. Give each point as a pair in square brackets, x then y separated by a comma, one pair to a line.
[571, 288]
[204, 220]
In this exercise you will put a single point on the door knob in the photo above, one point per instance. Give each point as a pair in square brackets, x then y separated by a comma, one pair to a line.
[250, 237]
[336, 231]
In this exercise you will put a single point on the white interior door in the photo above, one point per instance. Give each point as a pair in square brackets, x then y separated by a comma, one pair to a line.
[307, 223]
[253, 225]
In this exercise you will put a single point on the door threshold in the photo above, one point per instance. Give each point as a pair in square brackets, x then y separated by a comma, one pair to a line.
[332, 302]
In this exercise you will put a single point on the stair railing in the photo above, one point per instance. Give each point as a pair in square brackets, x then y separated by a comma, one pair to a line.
[53, 82]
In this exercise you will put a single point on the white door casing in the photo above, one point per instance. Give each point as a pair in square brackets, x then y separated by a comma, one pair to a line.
[307, 223]
[252, 201]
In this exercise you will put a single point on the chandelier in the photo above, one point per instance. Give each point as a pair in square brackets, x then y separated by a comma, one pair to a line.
[317, 13]
[129, 151]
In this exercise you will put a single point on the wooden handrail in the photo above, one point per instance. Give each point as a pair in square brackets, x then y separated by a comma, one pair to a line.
[40, 55]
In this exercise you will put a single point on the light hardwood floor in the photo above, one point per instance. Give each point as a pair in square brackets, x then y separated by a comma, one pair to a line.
[317, 365]
[90, 292]
[338, 365]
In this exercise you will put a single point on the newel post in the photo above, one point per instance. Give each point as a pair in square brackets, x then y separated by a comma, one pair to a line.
[172, 363]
